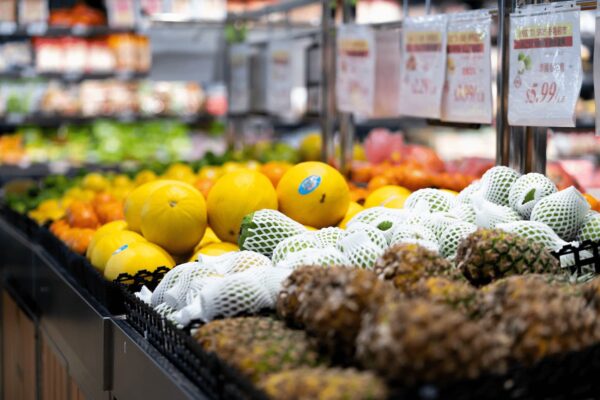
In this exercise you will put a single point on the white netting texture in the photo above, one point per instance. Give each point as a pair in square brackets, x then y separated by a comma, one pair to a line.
[527, 191]
[266, 229]
[464, 197]
[537, 232]
[564, 212]
[464, 212]
[496, 183]
[436, 200]
[374, 235]
[402, 232]
[591, 228]
[328, 236]
[488, 214]
[360, 250]
[375, 215]
[294, 244]
[240, 261]
[322, 257]
[168, 281]
[452, 237]
[438, 222]
[175, 296]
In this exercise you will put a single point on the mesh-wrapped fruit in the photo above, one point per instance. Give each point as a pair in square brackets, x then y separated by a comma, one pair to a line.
[496, 184]
[591, 228]
[527, 191]
[333, 308]
[321, 257]
[432, 200]
[405, 264]
[464, 212]
[490, 254]
[452, 236]
[257, 346]
[418, 341]
[465, 195]
[294, 244]
[324, 384]
[540, 318]
[564, 212]
[489, 215]
[262, 230]
[360, 249]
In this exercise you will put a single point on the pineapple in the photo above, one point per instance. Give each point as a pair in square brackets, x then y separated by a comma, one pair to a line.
[496, 184]
[324, 384]
[261, 231]
[565, 212]
[527, 191]
[257, 346]
[432, 200]
[406, 264]
[416, 341]
[540, 318]
[591, 228]
[333, 307]
[457, 294]
[487, 255]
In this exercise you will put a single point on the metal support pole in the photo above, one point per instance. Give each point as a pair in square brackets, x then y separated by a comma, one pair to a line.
[347, 119]
[503, 130]
[327, 81]
[404, 9]
[427, 7]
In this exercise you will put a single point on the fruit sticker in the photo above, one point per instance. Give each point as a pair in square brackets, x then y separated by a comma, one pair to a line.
[545, 65]
[120, 249]
[309, 184]
[468, 89]
[423, 71]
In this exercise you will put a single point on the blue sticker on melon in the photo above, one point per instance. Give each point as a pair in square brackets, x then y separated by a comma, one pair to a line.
[309, 184]
[120, 249]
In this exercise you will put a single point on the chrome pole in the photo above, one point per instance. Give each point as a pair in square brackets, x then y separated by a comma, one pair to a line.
[327, 81]
[347, 119]
[503, 131]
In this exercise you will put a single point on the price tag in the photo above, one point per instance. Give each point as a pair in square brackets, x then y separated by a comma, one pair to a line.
[279, 77]
[239, 85]
[468, 91]
[37, 29]
[597, 70]
[423, 67]
[545, 65]
[355, 78]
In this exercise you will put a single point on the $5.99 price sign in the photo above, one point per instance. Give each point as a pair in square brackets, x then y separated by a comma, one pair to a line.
[545, 65]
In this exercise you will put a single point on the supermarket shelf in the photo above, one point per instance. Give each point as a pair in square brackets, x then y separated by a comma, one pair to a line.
[9, 30]
[74, 76]
[49, 121]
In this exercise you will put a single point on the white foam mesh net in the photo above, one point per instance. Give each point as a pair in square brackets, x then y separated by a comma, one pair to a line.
[168, 281]
[373, 234]
[360, 250]
[237, 261]
[294, 244]
[402, 232]
[496, 183]
[527, 191]
[537, 232]
[564, 212]
[438, 222]
[375, 215]
[464, 197]
[328, 236]
[269, 227]
[464, 212]
[489, 215]
[322, 257]
[591, 228]
[175, 296]
[452, 237]
[435, 200]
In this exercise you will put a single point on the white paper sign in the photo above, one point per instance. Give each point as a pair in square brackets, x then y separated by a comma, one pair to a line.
[597, 69]
[388, 59]
[468, 89]
[239, 80]
[355, 78]
[423, 67]
[545, 65]
[279, 77]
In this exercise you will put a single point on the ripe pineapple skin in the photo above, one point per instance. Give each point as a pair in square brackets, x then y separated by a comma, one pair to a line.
[257, 346]
[406, 263]
[324, 384]
[417, 341]
[490, 254]
[540, 317]
[458, 295]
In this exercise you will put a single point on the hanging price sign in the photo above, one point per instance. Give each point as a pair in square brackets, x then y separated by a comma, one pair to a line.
[239, 84]
[279, 77]
[468, 90]
[423, 67]
[545, 65]
[355, 78]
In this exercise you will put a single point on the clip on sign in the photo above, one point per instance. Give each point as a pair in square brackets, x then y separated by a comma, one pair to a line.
[279, 77]
[423, 67]
[545, 65]
[468, 89]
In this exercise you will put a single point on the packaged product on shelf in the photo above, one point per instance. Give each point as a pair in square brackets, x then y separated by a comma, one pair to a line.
[545, 65]
[239, 81]
[355, 78]
[15, 55]
[388, 59]
[100, 58]
[33, 11]
[121, 13]
[213, 10]
[423, 68]
[49, 54]
[144, 54]
[60, 99]
[8, 11]
[468, 91]
[95, 95]
[76, 55]
[151, 7]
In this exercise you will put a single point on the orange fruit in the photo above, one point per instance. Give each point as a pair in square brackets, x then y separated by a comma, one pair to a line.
[111, 211]
[379, 181]
[82, 215]
[274, 170]
[204, 185]
[102, 198]
[592, 201]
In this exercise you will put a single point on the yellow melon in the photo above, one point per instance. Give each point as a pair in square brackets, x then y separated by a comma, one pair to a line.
[109, 243]
[113, 226]
[131, 258]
